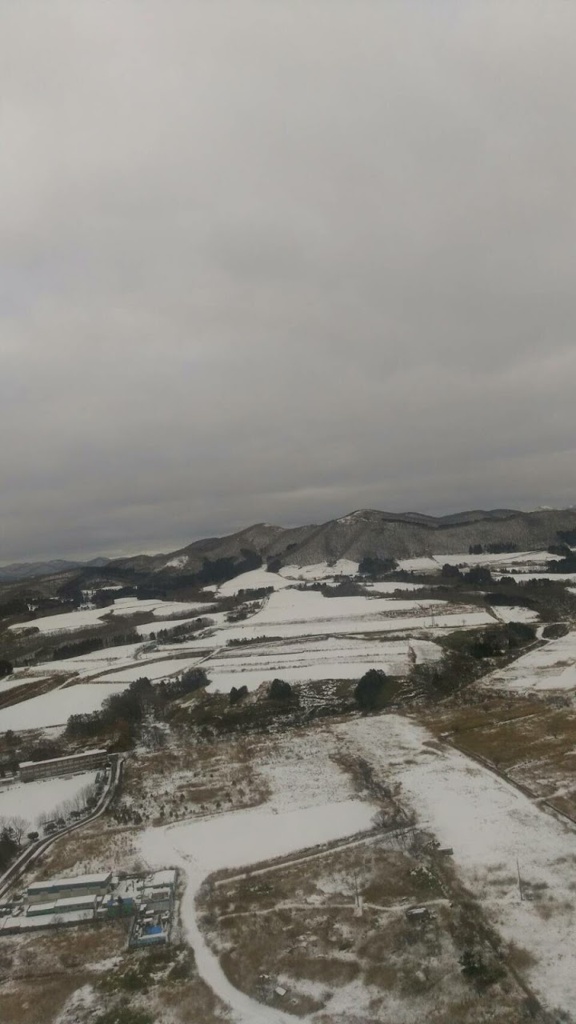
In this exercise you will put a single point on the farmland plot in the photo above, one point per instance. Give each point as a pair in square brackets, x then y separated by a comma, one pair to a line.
[292, 613]
[310, 660]
[54, 708]
[547, 668]
[310, 800]
[497, 834]
[43, 797]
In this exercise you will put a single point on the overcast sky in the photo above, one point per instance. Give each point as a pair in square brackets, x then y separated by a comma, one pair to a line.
[277, 261]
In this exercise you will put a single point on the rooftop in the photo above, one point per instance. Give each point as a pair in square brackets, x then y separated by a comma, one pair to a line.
[58, 760]
[66, 883]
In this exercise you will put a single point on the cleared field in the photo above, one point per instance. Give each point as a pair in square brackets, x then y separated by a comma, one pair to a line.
[496, 834]
[292, 613]
[533, 741]
[237, 840]
[320, 570]
[54, 708]
[299, 927]
[551, 667]
[254, 580]
[123, 607]
[155, 670]
[312, 660]
[42, 798]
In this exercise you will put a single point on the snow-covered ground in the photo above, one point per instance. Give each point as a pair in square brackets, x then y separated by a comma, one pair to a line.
[55, 708]
[551, 667]
[320, 571]
[529, 577]
[310, 660]
[20, 677]
[310, 804]
[122, 607]
[155, 670]
[299, 613]
[146, 629]
[391, 586]
[513, 614]
[161, 610]
[66, 622]
[41, 798]
[517, 562]
[428, 620]
[424, 564]
[494, 830]
[88, 665]
[253, 580]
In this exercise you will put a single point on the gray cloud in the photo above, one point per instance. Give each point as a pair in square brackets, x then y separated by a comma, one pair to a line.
[265, 261]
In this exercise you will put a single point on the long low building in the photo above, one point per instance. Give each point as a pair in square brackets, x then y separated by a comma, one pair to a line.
[63, 906]
[31, 770]
[68, 888]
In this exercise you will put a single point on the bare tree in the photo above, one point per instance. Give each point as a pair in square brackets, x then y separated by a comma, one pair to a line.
[17, 826]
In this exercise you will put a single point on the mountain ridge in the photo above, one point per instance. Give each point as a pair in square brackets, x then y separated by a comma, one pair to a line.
[359, 533]
[368, 532]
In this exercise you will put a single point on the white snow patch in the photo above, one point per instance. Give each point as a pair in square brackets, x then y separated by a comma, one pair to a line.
[239, 840]
[552, 667]
[490, 826]
[253, 580]
[176, 563]
[155, 670]
[320, 571]
[55, 708]
[313, 660]
[511, 614]
[391, 586]
[31, 800]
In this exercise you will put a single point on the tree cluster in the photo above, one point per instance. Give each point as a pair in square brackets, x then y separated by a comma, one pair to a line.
[499, 547]
[374, 565]
[374, 690]
[8, 846]
[126, 712]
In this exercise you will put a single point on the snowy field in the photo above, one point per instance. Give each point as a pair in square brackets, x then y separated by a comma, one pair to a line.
[552, 667]
[145, 629]
[254, 580]
[310, 804]
[320, 638]
[311, 660]
[513, 614]
[155, 670]
[421, 620]
[55, 708]
[391, 586]
[64, 623]
[122, 607]
[320, 571]
[529, 577]
[491, 827]
[88, 665]
[161, 610]
[34, 800]
[22, 676]
[517, 562]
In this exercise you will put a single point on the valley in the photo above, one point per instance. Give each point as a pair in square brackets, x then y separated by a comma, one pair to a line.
[392, 852]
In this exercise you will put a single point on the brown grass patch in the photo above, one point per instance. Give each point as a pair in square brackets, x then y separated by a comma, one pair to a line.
[39, 1001]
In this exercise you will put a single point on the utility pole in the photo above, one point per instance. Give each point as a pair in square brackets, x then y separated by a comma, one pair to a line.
[519, 879]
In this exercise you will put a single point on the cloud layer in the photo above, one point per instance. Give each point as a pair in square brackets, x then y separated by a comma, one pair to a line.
[276, 261]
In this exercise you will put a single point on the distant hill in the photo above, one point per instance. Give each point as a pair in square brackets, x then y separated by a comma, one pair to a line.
[366, 532]
[353, 536]
[28, 570]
